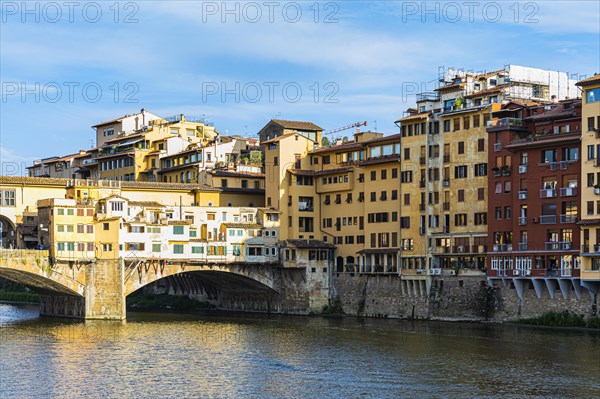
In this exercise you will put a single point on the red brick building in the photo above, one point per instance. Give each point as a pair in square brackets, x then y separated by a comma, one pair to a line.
[534, 203]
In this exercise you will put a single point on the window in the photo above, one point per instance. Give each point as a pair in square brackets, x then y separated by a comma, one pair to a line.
[476, 121]
[480, 169]
[460, 172]
[447, 125]
[592, 95]
[106, 247]
[70, 212]
[405, 222]
[406, 154]
[406, 176]
[460, 219]
[406, 197]
[155, 247]
[461, 195]
[326, 160]
[461, 147]
[394, 173]
[383, 174]
[480, 194]
[570, 154]
[507, 186]
[480, 218]
[177, 248]
[481, 145]
[507, 212]
[275, 161]
[197, 250]
[373, 175]
[178, 230]
[548, 156]
[60, 211]
[373, 196]
[498, 212]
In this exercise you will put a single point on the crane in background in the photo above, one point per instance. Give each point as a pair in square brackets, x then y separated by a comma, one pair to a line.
[357, 125]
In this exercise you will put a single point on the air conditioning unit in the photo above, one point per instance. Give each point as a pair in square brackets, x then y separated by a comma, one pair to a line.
[554, 166]
[460, 249]
[515, 272]
[420, 271]
[446, 183]
[563, 165]
[522, 168]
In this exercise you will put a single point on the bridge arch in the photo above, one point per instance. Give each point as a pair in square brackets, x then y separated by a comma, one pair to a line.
[247, 277]
[8, 232]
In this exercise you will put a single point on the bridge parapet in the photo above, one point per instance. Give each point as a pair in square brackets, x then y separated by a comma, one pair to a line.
[35, 268]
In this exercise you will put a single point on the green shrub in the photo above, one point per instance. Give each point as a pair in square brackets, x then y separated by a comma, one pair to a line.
[593, 322]
[556, 319]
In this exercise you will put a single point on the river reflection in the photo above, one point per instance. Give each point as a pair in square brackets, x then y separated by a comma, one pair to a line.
[258, 356]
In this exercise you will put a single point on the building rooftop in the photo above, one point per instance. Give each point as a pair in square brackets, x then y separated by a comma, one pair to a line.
[298, 125]
[310, 244]
[589, 81]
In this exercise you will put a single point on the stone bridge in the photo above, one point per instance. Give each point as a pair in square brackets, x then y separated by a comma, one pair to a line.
[96, 289]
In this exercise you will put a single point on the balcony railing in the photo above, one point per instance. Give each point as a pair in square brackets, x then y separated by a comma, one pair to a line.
[568, 218]
[547, 193]
[509, 123]
[522, 246]
[502, 248]
[548, 219]
[586, 249]
[568, 191]
[559, 246]
[522, 221]
[427, 96]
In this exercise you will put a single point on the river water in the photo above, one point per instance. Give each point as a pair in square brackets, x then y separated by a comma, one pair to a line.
[169, 355]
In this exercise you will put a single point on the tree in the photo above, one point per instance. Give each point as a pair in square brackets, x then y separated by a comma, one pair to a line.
[325, 142]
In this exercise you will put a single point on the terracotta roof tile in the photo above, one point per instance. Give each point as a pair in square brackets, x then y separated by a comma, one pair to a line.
[298, 125]
[590, 80]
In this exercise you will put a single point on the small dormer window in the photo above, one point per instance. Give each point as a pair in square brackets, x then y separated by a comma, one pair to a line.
[116, 206]
[493, 82]
[477, 86]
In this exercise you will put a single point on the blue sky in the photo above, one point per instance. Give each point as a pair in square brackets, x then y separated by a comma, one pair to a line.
[240, 64]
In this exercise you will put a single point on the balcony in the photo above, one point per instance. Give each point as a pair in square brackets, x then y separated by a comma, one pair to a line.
[548, 219]
[522, 221]
[548, 193]
[564, 218]
[522, 169]
[427, 96]
[568, 191]
[522, 195]
[522, 246]
[587, 249]
[559, 246]
[459, 249]
[502, 248]
[510, 123]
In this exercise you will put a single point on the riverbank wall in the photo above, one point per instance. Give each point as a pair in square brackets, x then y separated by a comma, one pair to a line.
[453, 298]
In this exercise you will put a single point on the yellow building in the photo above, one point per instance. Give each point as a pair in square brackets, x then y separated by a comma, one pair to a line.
[590, 176]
